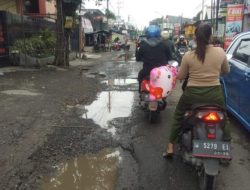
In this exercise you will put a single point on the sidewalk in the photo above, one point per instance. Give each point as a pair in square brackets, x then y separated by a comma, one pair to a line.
[89, 59]
[74, 62]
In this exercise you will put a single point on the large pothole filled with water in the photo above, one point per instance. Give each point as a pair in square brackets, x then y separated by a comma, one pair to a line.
[108, 106]
[91, 171]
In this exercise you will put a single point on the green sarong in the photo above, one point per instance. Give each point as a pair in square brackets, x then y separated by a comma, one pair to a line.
[190, 96]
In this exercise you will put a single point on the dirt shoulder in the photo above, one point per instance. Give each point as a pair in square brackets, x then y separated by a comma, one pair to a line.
[34, 105]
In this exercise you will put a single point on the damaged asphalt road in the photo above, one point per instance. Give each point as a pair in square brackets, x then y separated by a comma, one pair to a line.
[43, 124]
[83, 128]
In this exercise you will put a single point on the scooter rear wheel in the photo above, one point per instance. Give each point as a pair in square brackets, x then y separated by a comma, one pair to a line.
[207, 182]
[152, 116]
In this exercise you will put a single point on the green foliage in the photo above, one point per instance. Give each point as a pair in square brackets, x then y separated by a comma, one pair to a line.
[41, 45]
[110, 14]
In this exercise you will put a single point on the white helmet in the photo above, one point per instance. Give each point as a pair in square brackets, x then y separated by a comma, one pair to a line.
[182, 37]
[165, 34]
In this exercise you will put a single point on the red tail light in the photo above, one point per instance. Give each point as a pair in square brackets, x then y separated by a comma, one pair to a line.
[156, 92]
[145, 85]
[211, 117]
[211, 136]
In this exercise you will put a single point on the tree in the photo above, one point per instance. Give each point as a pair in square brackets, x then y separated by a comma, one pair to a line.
[65, 8]
[110, 15]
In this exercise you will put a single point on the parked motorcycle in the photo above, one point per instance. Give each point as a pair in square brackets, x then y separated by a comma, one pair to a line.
[201, 142]
[116, 46]
[155, 88]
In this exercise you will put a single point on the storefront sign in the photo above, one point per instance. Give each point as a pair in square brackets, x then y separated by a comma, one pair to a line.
[223, 12]
[224, 3]
[189, 30]
[68, 22]
[177, 28]
[233, 22]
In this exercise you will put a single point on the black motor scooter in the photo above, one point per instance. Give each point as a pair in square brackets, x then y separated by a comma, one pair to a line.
[180, 53]
[202, 142]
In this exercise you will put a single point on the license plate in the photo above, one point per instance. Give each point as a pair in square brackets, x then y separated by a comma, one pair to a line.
[153, 105]
[211, 149]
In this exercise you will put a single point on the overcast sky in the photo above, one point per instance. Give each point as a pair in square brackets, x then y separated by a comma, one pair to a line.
[142, 11]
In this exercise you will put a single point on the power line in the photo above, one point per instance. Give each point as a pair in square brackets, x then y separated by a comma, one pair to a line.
[113, 9]
[200, 5]
[119, 6]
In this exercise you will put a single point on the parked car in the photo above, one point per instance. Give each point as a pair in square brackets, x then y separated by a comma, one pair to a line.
[138, 43]
[236, 84]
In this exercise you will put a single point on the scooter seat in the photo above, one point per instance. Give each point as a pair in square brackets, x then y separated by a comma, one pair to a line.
[206, 106]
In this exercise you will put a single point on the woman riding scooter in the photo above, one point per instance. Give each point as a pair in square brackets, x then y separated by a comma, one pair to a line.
[203, 66]
[153, 52]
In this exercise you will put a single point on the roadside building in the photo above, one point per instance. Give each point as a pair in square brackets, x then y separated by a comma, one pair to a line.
[96, 17]
[22, 19]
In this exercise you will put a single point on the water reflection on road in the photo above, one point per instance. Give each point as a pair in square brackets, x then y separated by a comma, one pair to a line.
[110, 105]
[91, 172]
[120, 82]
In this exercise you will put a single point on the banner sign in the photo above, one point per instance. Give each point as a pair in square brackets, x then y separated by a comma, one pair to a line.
[68, 22]
[233, 22]
[86, 24]
[177, 28]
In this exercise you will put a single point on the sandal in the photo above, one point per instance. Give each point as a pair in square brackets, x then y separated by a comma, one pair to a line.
[168, 155]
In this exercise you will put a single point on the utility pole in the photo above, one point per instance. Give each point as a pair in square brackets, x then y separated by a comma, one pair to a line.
[162, 22]
[202, 10]
[108, 5]
[217, 13]
[181, 23]
[211, 17]
[162, 18]
[108, 13]
[80, 32]
[119, 6]
[214, 13]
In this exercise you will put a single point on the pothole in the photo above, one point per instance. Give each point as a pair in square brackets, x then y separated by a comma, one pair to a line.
[108, 106]
[91, 171]
[120, 82]
[96, 75]
[20, 92]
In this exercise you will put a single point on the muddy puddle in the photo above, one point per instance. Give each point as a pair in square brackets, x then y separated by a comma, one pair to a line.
[95, 75]
[89, 172]
[20, 92]
[108, 106]
[132, 60]
[120, 82]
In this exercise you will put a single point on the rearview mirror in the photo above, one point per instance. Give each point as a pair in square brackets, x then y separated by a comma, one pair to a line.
[229, 56]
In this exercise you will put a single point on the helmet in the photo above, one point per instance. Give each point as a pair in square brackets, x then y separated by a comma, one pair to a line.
[153, 31]
[165, 34]
[182, 37]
